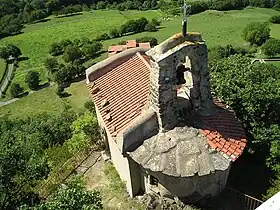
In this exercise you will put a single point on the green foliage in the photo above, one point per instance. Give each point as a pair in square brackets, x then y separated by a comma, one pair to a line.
[153, 41]
[32, 79]
[150, 27]
[271, 47]
[101, 5]
[72, 196]
[91, 50]
[114, 33]
[16, 90]
[85, 130]
[103, 36]
[275, 19]
[60, 90]
[275, 188]
[10, 50]
[72, 53]
[9, 24]
[51, 64]
[23, 162]
[56, 49]
[89, 105]
[220, 52]
[256, 33]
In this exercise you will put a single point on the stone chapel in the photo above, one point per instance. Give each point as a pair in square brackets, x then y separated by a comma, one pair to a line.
[165, 131]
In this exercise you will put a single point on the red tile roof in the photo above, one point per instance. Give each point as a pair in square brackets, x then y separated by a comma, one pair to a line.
[125, 94]
[223, 132]
[126, 89]
[129, 44]
[145, 45]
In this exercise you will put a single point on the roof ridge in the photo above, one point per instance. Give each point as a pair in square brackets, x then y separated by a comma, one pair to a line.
[143, 60]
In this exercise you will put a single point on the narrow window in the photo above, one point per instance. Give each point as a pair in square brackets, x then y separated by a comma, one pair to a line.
[180, 74]
[153, 180]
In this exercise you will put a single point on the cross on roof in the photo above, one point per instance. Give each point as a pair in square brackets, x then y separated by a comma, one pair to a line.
[184, 22]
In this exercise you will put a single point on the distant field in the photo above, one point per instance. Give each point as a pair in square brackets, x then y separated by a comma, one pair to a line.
[2, 68]
[46, 100]
[217, 28]
[37, 38]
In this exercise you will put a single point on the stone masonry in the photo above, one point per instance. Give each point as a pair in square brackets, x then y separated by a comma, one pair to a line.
[165, 59]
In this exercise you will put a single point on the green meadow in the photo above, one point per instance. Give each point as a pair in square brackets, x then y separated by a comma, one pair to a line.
[2, 68]
[217, 28]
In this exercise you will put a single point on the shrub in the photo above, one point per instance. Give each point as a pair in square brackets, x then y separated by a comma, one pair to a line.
[150, 27]
[89, 105]
[101, 5]
[198, 6]
[56, 49]
[271, 47]
[114, 33]
[60, 90]
[275, 19]
[16, 90]
[153, 41]
[51, 64]
[32, 79]
[72, 52]
[91, 50]
[103, 36]
[256, 33]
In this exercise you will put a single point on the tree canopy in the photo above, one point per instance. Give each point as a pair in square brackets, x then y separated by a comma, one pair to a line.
[256, 33]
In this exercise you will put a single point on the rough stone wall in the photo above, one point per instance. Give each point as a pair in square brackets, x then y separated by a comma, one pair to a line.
[163, 81]
[190, 189]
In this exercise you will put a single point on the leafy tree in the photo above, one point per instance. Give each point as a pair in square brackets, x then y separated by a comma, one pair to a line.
[32, 79]
[60, 90]
[275, 19]
[101, 5]
[65, 43]
[14, 51]
[4, 54]
[103, 36]
[56, 49]
[51, 65]
[271, 47]
[72, 196]
[256, 33]
[114, 33]
[89, 105]
[252, 90]
[16, 90]
[91, 50]
[140, 25]
[150, 27]
[72, 53]
[156, 22]
[85, 130]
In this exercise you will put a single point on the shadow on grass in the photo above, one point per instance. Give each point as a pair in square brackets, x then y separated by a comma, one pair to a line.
[69, 15]
[23, 58]
[45, 85]
[65, 95]
[42, 21]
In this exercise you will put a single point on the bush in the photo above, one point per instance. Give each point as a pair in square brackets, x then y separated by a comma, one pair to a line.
[16, 90]
[60, 90]
[103, 36]
[114, 33]
[275, 19]
[51, 64]
[256, 33]
[89, 105]
[153, 41]
[72, 52]
[198, 6]
[261, 3]
[271, 47]
[56, 49]
[150, 27]
[91, 50]
[32, 79]
[101, 5]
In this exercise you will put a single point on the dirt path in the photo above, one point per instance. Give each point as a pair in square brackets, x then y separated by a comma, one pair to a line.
[103, 177]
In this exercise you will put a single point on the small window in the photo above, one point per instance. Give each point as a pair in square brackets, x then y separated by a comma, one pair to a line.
[180, 74]
[153, 180]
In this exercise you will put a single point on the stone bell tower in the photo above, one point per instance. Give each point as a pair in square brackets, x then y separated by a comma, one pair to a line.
[167, 61]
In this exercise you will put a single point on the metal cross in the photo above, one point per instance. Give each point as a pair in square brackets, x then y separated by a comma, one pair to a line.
[184, 22]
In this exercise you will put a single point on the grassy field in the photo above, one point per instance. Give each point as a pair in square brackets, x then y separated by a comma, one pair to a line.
[46, 100]
[2, 68]
[218, 28]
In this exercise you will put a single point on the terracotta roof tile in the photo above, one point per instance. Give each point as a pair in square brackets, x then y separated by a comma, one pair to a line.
[125, 94]
[224, 126]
